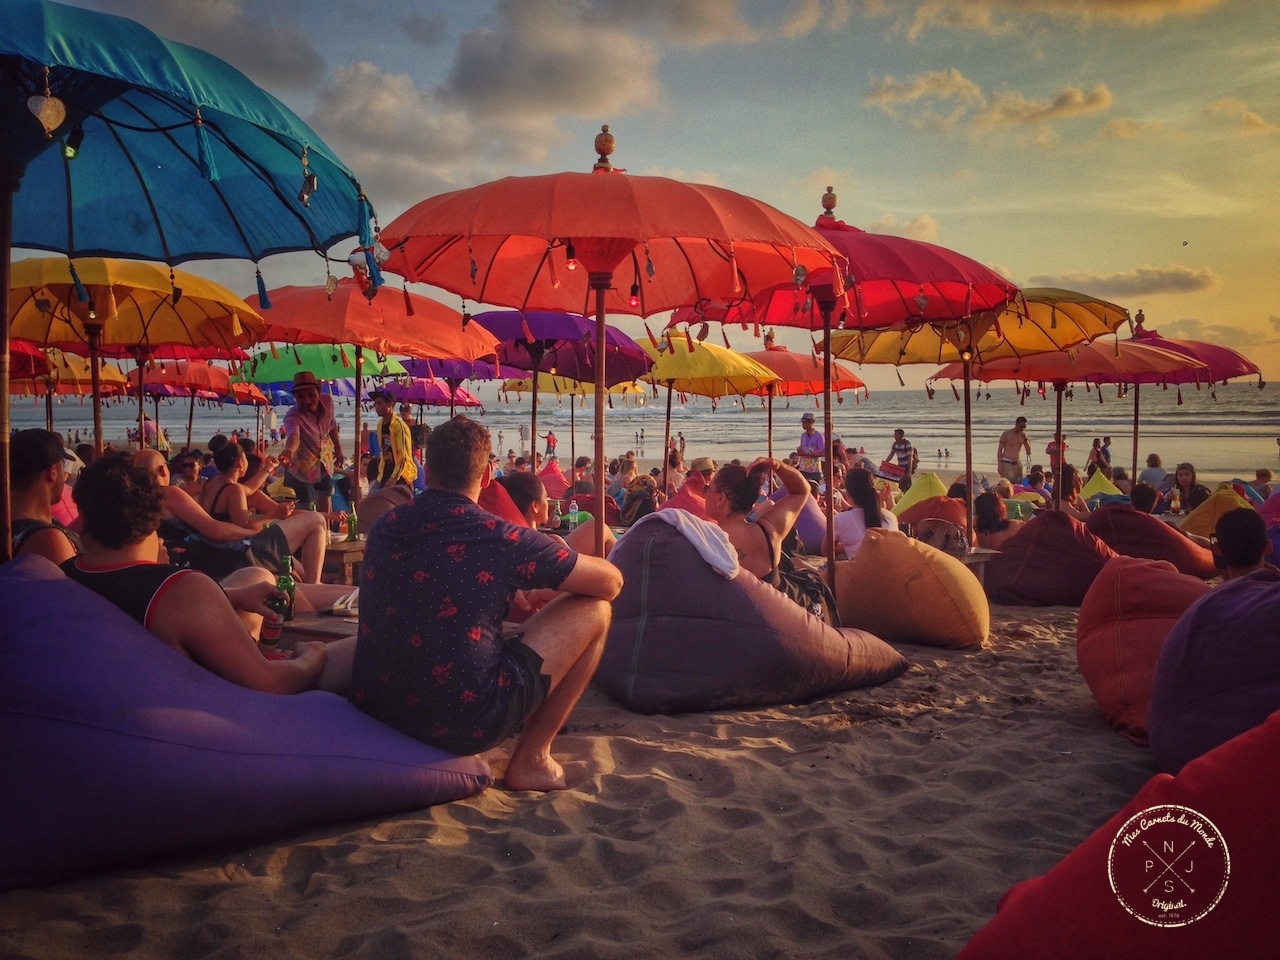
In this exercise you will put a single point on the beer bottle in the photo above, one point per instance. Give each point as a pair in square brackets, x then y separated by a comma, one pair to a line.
[272, 622]
[287, 585]
[556, 518]
[353, 531]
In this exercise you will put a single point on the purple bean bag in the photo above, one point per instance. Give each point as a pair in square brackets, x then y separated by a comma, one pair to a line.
[115, 748]
[1135, 534]
[1219, 670]
[1052, 560]
[811, 525]
[684, 638]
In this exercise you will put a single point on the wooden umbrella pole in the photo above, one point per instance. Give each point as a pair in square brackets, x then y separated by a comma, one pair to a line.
[828, 468]
[191, 419]
[666, 436]
[1133, 477]
[968, 450]
[142, 402]
[94, 330]
[770, 433]
[1059, 389]
[600, 282]
[48, 407]
[355, 487]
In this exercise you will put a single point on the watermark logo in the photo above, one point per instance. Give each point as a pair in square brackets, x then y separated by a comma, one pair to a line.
[1168, 865]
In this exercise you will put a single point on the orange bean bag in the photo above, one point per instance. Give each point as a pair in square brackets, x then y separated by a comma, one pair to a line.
[950, 509]
[1052, 560]
[1137, 534]
[1109, 898]
[902, 589]
[1124, 620]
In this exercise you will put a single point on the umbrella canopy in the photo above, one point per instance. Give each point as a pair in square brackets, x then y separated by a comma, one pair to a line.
[129, 145]
[1224, 363]
[431, 393]
[391, 322]
[70, 375]
[1123, 362]
[562, 242]
[563, 386]
[26, 360]
[278, 365]
[453, 370]
[801, 374]
[123, 308]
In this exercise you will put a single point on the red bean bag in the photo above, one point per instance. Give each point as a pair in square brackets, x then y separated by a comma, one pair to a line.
[1219, 670]
[1136, 534]
[950, 509]
[496, 500]
[1103, 900]
[115, 748]
[685, 638]
[1052, 560]
[1124, 620]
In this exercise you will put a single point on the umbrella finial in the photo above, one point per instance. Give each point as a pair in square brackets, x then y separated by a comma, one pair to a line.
[605, 144]
[829, 200]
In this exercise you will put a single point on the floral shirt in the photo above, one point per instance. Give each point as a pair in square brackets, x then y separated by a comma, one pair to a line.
[437, 578]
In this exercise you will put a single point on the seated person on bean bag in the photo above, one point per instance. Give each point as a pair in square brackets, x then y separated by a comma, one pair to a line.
[851, 525]
[1052, 560]
[584, 493]
[1124, 620]
[991, 523]
[532, 504]
[692, 630]
[904, 590]
[553, 479]
[692, 495]
[120, 503]
[1219, 671]
[1132, 531]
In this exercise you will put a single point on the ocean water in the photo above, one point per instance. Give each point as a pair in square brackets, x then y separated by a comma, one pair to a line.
[1226, 432]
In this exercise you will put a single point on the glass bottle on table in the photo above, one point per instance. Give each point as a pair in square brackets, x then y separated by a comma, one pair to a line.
[573, 515]
[353, 531]
[556, 518]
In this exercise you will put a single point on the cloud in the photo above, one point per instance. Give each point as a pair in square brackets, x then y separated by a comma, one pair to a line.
[425, 29]
[1247, 121]
[253, 35]
[1005, 17]
[1009, 109]
[923, 227]
[1142, 281]
[888, 93]
[1228, 335]
[1127, 128]
[700, 23]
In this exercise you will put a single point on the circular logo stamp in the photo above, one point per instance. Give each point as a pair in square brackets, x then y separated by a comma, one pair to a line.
[1168, 865]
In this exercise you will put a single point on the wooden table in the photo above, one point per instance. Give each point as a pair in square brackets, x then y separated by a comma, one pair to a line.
[316, 626]
[347, 554]
[976, 560]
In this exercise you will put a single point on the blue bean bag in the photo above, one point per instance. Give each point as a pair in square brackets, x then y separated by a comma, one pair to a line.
[115, 748]
[685, 638]
[1219, 670]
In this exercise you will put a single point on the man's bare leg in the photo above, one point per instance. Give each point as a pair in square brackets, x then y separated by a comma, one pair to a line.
[569, 634]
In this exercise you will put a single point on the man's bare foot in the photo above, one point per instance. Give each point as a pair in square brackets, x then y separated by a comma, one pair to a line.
[542, 777]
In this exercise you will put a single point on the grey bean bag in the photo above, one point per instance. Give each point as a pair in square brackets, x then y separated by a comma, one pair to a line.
[685, 638]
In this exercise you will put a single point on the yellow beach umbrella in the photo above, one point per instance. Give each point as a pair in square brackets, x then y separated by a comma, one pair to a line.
[564, 386]
[124, 308]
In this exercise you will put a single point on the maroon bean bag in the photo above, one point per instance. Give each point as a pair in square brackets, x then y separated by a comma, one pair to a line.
[1219, 670]
[1135, 534]
[1103, 900]
[1124, 620]
[1052, 560]
[115, 748]
[685, 638]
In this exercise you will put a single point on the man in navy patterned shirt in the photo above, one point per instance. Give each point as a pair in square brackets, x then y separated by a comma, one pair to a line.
[438, 576]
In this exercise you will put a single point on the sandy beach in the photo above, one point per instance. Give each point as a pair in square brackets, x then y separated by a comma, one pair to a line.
[876, 823]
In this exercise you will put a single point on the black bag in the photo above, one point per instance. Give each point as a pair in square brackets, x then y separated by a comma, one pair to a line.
[807, 587]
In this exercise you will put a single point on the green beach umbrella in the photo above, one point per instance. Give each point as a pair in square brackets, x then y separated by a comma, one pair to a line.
[278, 364]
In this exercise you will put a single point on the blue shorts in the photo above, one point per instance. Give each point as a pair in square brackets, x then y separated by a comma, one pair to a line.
[503, 712]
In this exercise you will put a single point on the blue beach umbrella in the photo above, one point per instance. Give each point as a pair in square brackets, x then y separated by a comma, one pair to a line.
[115, 142]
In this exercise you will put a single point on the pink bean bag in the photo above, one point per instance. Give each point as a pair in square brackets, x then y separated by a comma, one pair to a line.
[1135, 534]
[1093, 904]
[1052, 560]
[115, 748]
[1219, 670]
[1124, 620]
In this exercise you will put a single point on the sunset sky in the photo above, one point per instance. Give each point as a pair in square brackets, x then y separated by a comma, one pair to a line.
[1125, 148]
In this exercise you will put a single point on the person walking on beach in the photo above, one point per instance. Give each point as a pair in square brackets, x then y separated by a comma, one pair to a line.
[1009, 451]
[439, 575]
[811, 450]
[903, 454]
[313, 444]
[1013, 442]
[550, 437]
[1056, 450]
[396, 463]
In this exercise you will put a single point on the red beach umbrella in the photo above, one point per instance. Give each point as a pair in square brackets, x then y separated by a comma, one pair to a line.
[559, 242]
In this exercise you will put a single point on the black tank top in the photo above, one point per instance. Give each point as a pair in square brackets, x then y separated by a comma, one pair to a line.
[133, 588]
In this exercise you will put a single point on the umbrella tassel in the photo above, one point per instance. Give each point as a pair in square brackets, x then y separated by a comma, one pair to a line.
[375, 272]
[524, 325]
[652, 339]
[733, 265]
[275, 354]
[365, 219]
[688, 339]
[551, 270]
[954, 392]
[263, 300]
[1179, 396]
[408, 303]
[204, 150]
[724, 335]
[900, 380]
[81, 293]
